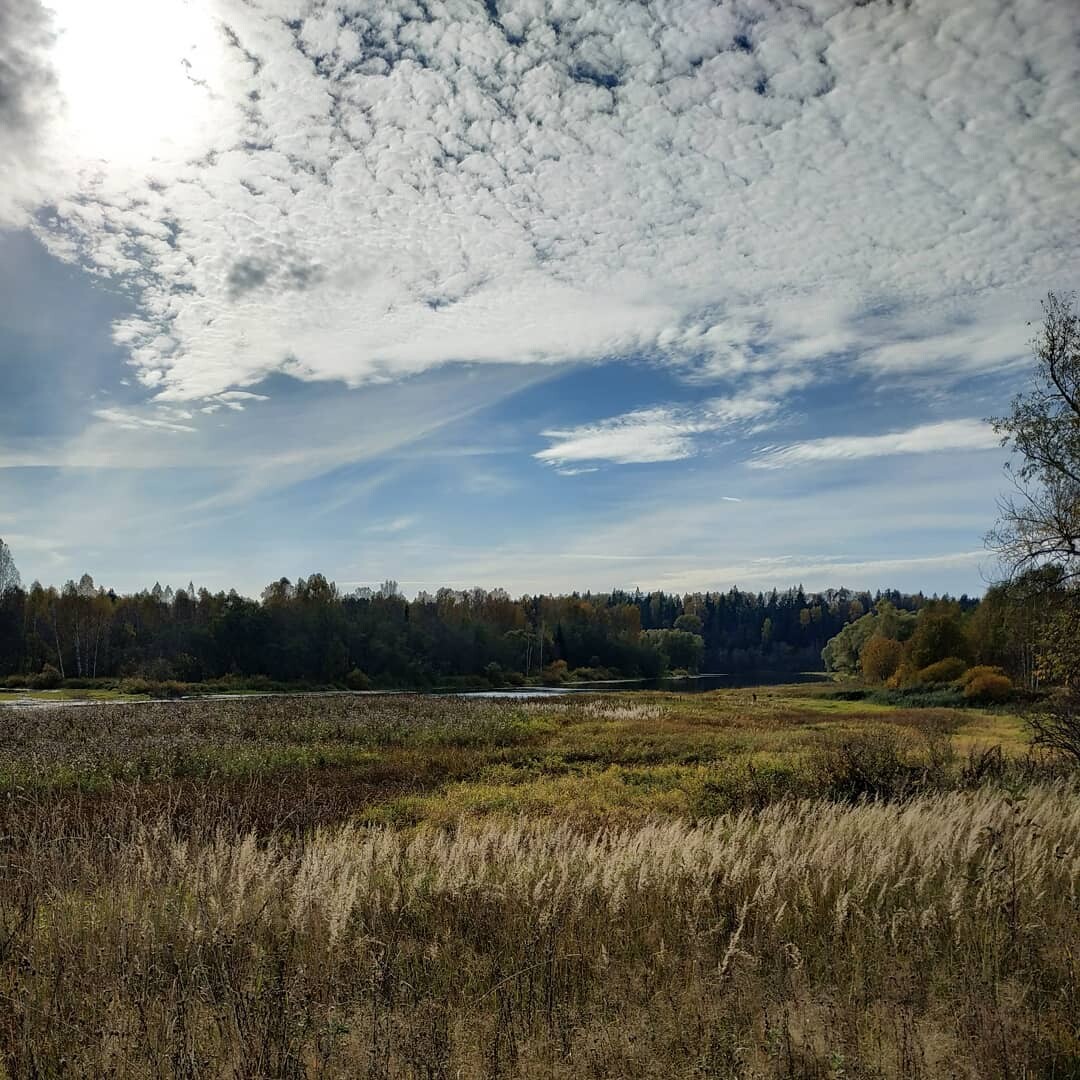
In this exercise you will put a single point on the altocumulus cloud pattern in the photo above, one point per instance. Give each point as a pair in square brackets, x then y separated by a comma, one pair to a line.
[363, 191]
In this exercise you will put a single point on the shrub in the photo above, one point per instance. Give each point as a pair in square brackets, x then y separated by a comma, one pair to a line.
[48, 679]
[848, 695]
[593, 673]
[984, 763]
[357, 680]
[1057, 724]
[920, 697]
[904, 675]
[881, 658]
[864, 766]
[989, 687]
[555, 673]
[974, 673]
[944, 671]
[134, 686]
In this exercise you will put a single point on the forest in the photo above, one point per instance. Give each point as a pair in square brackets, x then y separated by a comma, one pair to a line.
[308, 631]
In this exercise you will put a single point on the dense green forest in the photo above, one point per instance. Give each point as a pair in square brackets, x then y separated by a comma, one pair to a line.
[309, 631]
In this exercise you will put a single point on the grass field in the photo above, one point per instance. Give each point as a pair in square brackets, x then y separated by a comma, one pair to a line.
[18, 696]
[768, 883]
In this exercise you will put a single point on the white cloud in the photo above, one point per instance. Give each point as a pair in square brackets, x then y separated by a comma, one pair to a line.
[949, 435]
[27, 96]
[341, 191]
[394, 525]
[650, 435]
[647, 436]
[164, 420]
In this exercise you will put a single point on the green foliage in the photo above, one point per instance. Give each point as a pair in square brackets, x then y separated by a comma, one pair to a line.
[939, 635]
[843, 651]
[679, 648]
[357, 680]
[914, 696]
[591, 674]
[692, 624]
[309, 633]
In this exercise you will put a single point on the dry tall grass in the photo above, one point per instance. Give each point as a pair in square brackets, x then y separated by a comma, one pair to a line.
[938, 937]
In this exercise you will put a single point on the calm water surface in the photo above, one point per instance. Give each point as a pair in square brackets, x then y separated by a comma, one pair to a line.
[692, 684]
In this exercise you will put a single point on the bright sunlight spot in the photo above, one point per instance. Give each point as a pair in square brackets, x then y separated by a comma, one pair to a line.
[136, 77]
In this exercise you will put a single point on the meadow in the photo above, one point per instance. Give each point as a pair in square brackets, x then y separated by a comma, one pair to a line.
[767, 883]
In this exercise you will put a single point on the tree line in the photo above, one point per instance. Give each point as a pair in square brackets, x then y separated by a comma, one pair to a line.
[309, 631]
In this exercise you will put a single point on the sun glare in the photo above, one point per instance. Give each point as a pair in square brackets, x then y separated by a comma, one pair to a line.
[137, 77]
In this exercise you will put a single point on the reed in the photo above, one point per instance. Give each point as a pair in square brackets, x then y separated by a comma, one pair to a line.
[931, 938]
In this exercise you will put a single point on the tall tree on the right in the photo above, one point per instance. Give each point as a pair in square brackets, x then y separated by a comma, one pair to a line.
[1039, 524]
[1038, 532]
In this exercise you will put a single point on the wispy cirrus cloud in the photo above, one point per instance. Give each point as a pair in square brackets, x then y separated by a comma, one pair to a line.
[949, 435]
[162, 419]
[647, 436]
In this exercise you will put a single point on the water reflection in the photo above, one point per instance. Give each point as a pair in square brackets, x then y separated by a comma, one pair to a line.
[690, 684]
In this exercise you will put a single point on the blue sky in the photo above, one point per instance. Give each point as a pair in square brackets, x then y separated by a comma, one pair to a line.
[547, 296]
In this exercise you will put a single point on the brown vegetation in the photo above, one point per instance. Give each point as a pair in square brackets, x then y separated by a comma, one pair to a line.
[196, 889]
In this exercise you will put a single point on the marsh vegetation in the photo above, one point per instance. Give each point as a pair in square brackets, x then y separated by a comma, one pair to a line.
[770, 883]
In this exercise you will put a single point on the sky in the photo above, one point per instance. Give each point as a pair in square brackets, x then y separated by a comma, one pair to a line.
[575, 294]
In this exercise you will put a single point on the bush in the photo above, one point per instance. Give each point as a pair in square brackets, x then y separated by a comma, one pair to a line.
[974, 673]
[988, 687]
[868, 766]
[590, 674]
[905, 675]
[134, 686]
[555, 673]
[920, 697]
[848, 695]
[944, 671]
[357, 680]
[48, 679]
[881, 658]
